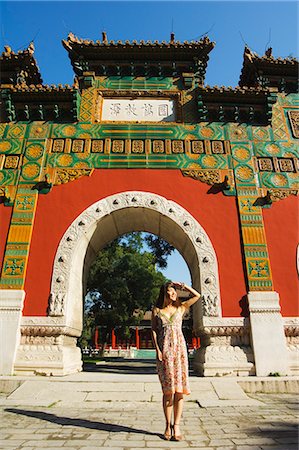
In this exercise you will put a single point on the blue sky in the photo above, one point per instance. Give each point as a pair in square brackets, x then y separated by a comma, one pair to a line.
[229, 23]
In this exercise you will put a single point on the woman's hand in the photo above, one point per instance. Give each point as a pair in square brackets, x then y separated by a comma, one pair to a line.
[179, 284]
[159, 355]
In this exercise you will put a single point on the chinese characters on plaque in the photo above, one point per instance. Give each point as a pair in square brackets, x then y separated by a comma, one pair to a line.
[138, 110]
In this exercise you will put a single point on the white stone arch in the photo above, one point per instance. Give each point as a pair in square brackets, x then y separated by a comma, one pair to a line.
[122, 213]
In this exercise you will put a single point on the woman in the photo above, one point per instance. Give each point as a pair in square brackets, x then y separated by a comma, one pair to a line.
[172, 357]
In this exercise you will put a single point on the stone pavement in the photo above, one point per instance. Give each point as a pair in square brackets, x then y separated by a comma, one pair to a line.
[270, 423]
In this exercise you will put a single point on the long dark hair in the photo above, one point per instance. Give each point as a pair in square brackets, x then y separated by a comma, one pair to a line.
[163, 290]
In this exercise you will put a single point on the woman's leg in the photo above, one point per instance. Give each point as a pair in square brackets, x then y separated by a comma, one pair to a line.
[178, 409]
[167, 408]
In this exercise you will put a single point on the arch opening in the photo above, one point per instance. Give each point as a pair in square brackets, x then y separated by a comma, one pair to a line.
[120, 214]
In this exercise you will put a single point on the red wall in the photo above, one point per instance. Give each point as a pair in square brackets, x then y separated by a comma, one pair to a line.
[282, 232]
[5, 216]
[56, 211]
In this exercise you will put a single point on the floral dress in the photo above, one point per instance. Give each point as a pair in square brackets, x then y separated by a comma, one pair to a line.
[173, 369]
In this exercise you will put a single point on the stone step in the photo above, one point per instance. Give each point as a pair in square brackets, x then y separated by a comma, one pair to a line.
[91, 391]
[48, 392]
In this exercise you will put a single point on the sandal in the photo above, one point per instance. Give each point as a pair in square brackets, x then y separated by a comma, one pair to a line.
[167, 436]
[177, 437]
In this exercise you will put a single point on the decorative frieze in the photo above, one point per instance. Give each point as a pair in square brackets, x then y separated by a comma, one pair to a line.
[137, 146]
[276, 164]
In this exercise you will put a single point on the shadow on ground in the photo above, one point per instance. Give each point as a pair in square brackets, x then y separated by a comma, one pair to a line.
[68, 421]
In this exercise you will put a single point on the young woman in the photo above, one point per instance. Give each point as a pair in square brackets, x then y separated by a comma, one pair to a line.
[172, 357]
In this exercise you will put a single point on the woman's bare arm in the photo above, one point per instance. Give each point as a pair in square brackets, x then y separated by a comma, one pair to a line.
[192, 300]
[154, 333]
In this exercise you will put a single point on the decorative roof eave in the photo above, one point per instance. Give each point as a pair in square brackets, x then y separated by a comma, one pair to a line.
[270, 66]
[20, 65]
[267, 59]
[227, 104]
[238, 90]
[73, 42]
[23, 103]
[97, 56]
[38, 88]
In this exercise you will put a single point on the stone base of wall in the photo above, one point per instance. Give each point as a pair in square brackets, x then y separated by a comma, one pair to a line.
[49, 360]
[225, 348]
[47, 347]
[291, 331]
[11, 305]
[215, 361]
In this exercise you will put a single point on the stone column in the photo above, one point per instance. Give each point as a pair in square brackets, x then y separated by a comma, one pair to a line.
[11, 305]
[267, 333]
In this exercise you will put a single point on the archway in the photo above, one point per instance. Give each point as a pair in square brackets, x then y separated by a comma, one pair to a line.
[119, 214]
[56, 352]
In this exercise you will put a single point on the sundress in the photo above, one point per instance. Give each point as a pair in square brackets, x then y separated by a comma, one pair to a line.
[173, 369]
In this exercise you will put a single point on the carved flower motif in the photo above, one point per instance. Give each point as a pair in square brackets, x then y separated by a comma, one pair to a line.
[30, 170]
[207, 132]
[4, 146]
[64, 160]
[69, 130]
[279, 180]
[242, 154]
[244, 173]
[273, 149]
[209, 161]
[34, 151]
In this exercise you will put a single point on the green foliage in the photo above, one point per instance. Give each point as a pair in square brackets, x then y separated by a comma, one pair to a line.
[86, 339]
[160, 249]
[123, 283]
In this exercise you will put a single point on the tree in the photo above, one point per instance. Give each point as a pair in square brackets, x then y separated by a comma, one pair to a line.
[123, 283]
[161, 249]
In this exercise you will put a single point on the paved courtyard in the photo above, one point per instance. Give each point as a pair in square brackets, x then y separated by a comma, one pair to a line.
[129, 425]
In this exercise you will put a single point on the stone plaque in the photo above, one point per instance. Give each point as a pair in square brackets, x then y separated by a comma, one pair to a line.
[78, 146]
[97, 146]
[117, 146]
[178, 146]
[286, 165]
[138, 110]
[158, 146]
[265, 164]
[197, 147]
[11, 162]
[58, 146]
[217, 147]
[137, 146]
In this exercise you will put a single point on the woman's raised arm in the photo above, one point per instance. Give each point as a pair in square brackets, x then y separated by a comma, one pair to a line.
[192, 300]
